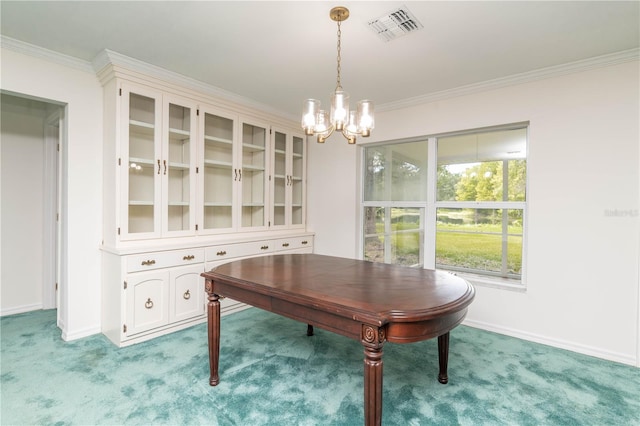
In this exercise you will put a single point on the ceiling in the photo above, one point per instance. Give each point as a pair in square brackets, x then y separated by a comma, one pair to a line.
[280, 53]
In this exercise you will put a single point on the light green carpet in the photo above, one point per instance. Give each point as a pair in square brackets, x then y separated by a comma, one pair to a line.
[273, 374]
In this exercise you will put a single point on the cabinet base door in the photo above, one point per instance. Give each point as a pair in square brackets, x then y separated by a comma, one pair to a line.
[147, 302]
[187, 293]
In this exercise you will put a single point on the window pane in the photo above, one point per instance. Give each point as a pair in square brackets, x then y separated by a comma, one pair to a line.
[482, 240]
[374, 182]
[396, 172]
[482, 167]
[394, 235]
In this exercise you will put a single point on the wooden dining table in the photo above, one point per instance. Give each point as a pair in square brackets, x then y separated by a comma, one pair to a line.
[373, 303]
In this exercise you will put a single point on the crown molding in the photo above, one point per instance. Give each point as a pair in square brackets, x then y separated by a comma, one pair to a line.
[526, 77]
[46, 54]
[110, 59]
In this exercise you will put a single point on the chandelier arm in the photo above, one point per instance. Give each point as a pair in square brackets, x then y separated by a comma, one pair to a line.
[351, 138]
[325, 135]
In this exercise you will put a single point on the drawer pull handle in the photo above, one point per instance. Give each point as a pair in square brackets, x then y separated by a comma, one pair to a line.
[221, 253]
[189, 257]
[285, 244]
[186, 295]
[264, 248]
[305, 242]
[148, 262]
[148, 304]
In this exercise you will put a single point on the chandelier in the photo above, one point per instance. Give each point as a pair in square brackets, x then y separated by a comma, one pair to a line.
[322, 123]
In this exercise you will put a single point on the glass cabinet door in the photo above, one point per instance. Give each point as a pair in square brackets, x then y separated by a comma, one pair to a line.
[288, 177]
[218, 173]
[297, 180]
[142, 167]
[280, 177]
[252, 176]
[178, 167]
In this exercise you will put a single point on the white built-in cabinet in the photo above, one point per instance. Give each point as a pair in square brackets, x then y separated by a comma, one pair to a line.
[189, 184]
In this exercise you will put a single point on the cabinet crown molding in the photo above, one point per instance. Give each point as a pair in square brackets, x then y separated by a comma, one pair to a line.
[109, 64]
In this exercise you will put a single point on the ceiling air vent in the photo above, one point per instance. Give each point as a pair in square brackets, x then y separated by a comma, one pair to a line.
[395, 24]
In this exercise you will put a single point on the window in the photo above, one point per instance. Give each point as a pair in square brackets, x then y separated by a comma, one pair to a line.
[395, 190]
[454, 202]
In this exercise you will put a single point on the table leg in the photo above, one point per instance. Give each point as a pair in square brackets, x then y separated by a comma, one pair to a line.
[373, 339]
[372, 386]
[213, 328]
[443, 357]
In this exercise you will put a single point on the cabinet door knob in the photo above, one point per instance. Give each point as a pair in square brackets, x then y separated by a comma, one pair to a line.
[158, 166]
[165, 166]
[186, 295]
[148, 304]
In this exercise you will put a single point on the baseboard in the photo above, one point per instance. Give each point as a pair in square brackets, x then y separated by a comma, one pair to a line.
[20, 309]
[79, 334]
[556, 343]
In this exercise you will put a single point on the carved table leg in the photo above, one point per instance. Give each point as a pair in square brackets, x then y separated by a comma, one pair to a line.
[213, 327]
[309, 330]
[373, 339]
[443, 357]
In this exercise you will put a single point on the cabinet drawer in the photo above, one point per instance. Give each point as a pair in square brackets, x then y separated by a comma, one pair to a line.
[164, 259]
[293, 243]
[228, 251]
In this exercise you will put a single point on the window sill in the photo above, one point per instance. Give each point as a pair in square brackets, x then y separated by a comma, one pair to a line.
[491, 282]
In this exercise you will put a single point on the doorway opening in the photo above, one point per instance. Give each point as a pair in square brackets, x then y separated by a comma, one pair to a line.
[31, 188]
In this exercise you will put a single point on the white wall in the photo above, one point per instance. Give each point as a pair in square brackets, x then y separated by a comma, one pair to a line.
[22, 144]
[77, 87]
[581, 261]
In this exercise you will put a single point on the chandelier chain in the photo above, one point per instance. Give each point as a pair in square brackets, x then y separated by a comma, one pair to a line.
[338, 85]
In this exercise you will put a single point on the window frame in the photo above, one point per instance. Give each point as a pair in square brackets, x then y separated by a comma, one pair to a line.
[431, 206]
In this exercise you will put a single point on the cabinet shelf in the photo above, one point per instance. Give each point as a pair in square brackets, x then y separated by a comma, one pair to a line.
[178, 204]
[252, 204]
[248, 147]
[141, 127]
[179, 166]
[179, 132]
[253, 168]
[218, 204]
[216, 140]
[140, 203]
[218, 164]
[142, 161]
